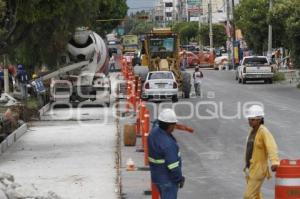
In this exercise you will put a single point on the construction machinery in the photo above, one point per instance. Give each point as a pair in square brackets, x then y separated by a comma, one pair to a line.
[84, 78]
[161, 52]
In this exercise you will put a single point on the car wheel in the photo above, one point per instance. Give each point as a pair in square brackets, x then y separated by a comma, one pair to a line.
[239, 80]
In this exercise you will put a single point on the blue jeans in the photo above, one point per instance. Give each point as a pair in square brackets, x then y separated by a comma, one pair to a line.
[168, 190]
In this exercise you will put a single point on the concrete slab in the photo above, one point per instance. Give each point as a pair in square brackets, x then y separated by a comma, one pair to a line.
[76, 160]
[10, 139]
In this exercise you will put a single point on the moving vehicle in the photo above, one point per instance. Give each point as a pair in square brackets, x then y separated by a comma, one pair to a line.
[193, 60]
[86, 79]
[161, 53]
[255, 68]
[160, 85]
[130, 43]
[206, 58]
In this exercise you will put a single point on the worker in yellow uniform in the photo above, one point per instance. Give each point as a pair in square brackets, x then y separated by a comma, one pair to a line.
[260, 146]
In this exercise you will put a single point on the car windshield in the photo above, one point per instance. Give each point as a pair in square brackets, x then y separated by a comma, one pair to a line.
[255, 60]
[160, 76]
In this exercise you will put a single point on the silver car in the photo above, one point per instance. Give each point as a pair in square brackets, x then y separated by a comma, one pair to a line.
[160, 85]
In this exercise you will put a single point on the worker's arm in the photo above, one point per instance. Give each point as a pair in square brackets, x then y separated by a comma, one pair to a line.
[271, 147]
[173, 163]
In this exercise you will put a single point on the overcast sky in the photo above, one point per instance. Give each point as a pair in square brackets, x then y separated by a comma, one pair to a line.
[135, 5]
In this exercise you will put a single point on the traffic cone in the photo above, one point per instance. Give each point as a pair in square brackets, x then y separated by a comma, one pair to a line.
[130, 165]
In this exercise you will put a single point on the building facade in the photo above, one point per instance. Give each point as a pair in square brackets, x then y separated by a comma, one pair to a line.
[189, 10]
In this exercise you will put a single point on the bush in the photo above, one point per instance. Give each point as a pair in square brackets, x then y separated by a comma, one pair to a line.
[279, 76]
[298, 86]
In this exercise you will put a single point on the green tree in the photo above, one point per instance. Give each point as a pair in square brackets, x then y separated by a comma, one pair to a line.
[251, 17]
[285, 17]
[219, 35]
[110, 9]
[40, 29]
[137, 24]
[189, 31]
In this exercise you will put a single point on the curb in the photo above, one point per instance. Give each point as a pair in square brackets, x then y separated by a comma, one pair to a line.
[44, 109]
[12, 138]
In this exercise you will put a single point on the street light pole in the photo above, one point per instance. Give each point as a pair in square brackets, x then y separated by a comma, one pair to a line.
[270, 33]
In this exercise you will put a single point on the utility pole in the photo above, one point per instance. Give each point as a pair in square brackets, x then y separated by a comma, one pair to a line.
[234, 55]
[210, 27]
[233, 26]
[229, 42]
[199, 26]
[269, 54]
[187, 10]
[164, 10]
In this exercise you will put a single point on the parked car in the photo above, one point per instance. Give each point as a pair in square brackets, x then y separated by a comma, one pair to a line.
[255, 68]
[160, 85]
[193, 60]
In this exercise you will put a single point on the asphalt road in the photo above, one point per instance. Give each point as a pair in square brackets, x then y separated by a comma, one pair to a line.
[213, 157]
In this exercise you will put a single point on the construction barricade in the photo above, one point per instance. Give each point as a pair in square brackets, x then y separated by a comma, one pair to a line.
[288, 180]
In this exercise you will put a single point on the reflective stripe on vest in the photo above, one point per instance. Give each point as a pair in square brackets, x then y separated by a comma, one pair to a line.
[287, 182]
[173, 165]
[158, 161]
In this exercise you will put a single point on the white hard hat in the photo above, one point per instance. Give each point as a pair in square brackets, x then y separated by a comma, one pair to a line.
[255, 111]
[168, 116]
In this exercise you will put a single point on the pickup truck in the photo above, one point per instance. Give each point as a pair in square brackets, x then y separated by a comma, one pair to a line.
[255, 68]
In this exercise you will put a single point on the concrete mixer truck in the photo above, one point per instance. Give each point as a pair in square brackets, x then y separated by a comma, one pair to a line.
[84, 78]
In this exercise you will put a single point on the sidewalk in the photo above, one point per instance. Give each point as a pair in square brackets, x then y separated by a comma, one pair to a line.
[134, 183]
[74, 159]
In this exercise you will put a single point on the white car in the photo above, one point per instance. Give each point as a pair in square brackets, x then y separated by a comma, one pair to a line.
[160, 85]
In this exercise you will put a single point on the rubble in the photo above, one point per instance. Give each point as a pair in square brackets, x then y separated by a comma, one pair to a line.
[9, 189]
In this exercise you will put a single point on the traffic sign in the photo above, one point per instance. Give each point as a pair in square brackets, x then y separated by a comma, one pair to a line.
[194, 2]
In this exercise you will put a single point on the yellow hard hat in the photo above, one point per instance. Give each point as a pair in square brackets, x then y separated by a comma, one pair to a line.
[34, 76]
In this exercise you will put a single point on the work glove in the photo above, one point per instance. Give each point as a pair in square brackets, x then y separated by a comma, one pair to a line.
[181, 183]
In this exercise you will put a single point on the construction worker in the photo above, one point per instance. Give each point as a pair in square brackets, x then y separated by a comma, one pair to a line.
[164, 156]
[22, 79]
[183, 61]
[39, 89]
[260, 146]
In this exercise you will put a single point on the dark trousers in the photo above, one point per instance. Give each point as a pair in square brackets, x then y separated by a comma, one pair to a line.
[168, 190]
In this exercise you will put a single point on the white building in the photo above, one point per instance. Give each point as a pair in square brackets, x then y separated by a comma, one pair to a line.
[181, 10]
[166, 11]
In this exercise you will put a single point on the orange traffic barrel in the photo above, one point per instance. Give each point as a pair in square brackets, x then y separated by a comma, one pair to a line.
[287, 184]
[129, 135]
